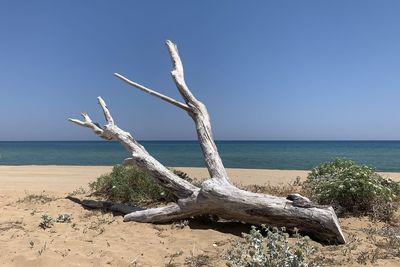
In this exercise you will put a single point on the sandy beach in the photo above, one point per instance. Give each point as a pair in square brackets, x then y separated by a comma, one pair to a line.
[64, 179]
[94, 238]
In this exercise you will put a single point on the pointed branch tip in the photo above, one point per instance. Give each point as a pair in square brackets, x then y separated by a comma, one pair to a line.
[78, 122]
[106, 112]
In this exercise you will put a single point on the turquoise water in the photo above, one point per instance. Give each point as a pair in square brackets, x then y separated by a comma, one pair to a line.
[300, 155]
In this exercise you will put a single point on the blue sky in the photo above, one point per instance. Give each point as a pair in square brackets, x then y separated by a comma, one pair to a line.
[273, 70]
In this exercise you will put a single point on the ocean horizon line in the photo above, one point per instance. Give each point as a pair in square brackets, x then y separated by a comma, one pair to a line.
[384, 155]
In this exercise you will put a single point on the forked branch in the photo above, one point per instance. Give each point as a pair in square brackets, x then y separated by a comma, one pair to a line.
[196, 109]
[87, 122]
[140, 156]
[178, 73]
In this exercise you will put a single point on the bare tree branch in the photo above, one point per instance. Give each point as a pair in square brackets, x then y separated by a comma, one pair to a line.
[140, 156]
[87, 122]
[196, 110]
[201, 118]
[178, 73]
[154, 93]
[107, 115]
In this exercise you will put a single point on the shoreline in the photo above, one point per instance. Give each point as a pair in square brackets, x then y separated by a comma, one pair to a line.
[67, 178]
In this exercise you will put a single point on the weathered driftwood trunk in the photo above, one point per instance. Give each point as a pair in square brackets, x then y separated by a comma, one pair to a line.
[216, 196]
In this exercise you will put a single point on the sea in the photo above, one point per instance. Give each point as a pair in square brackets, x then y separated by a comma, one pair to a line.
[290, 155]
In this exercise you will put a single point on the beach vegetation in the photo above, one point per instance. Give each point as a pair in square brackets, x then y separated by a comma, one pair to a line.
[281, 190]
[386, 239]
[37, 198]
[64, 218]
[271, 249]
[47, 221]
[132, 185]
[353, 189]
[172, 257]
[180, 224]
[201, 260]
[79, 191]
[42, 249]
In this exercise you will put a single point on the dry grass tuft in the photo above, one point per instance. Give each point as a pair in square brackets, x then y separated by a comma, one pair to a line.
[38, 199]
[201, 260]
[277, 190]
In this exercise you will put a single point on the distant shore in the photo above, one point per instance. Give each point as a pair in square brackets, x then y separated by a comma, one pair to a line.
[65, 178]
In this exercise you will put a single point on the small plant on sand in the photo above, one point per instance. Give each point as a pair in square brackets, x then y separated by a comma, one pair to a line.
[172, 258]
[42, 249]
[47, 221]
[352, 188]
[35, 198]
[132, 185]
[64, 218]
[272, 250]
[201, 260]
[180, 224]
[79, 191]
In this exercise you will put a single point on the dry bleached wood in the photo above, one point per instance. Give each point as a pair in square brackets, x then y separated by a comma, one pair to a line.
[216, 196]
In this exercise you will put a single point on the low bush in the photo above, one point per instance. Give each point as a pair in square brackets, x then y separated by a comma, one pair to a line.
[272, 250]
[132, 185]
[352, 188]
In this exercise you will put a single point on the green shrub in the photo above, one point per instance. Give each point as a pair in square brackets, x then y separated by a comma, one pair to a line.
[351, 188]
[273, 250]
[132, 185]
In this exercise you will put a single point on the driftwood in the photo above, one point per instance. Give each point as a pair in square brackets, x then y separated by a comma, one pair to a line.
[217, 195]
[105, 205]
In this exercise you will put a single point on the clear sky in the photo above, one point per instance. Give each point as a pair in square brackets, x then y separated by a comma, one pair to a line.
[267, 70]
